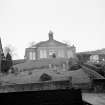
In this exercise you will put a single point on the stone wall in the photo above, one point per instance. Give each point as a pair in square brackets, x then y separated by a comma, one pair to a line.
[48, 85]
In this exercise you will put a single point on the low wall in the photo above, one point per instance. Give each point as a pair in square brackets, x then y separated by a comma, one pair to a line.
[48, 85]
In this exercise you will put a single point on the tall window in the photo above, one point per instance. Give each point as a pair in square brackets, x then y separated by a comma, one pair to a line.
[70, 54]
[32, 55]
[61, 53]
[43, 54]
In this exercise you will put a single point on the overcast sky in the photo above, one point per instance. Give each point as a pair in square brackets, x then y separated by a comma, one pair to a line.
[81, 22]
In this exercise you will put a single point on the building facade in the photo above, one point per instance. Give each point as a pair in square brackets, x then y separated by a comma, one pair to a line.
[94, 58]
[49, 49]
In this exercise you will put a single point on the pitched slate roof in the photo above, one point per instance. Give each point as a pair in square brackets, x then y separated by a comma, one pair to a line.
[49, 43]
[101, 51]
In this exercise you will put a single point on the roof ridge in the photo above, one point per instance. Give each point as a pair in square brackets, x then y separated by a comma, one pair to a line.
[48, 42]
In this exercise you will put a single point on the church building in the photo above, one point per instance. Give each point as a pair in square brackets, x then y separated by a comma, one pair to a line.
[49, 49]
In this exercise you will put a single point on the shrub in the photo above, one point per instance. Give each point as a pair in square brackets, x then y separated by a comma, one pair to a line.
[9, 60]
[3, 66]
[75, 67]
[73, 64]
[98, 65]
[29, 73]
[73, 61]
[45, 77]
[7, 63]
[14, 70]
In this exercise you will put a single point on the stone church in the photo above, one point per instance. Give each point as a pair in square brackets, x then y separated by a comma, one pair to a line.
[49, 49]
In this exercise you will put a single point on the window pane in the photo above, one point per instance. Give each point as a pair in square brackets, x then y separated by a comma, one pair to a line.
[34, 55]
[70, 54]
[30, 55]
[61, 53]
[43, 54]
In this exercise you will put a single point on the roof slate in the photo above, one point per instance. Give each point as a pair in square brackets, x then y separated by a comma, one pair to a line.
[49, 43]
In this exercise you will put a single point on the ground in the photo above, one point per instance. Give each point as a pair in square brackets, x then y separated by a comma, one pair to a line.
[94, 98]
[78, 76]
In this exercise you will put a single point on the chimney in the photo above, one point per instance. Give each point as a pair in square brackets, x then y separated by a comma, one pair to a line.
[50, 35]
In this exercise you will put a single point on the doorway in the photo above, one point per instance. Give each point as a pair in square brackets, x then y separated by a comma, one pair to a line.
[52, 53]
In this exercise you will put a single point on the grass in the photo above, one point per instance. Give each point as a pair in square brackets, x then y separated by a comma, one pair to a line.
[39, 64]
[78, 76]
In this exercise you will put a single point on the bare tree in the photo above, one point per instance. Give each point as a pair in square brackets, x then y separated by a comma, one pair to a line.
[31, 44]
[67, 42]
[10, 49]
